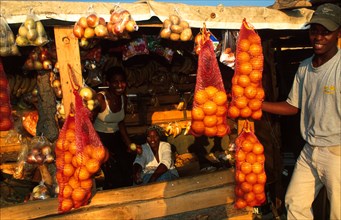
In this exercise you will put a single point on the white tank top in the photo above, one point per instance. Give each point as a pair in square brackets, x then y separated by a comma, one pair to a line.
[107, 121]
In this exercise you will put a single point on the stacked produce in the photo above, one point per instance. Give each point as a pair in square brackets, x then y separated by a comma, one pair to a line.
[174, 28]
[39, 59]
[7, 40]
[120, 24]
[88, 96]
[31, 32]
[6, 119]
[209, 115]
[22, 84]
[210, 99]
[90, 26]
[79, 156]
[247, 90]
[250, 175]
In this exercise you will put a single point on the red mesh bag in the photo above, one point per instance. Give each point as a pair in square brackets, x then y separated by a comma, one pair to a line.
[80, 154]
[210, 100]
[250, 175]
[247, 90]
[6, 118]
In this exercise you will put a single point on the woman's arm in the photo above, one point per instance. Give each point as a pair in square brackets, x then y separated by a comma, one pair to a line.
[279, 108]
[99, 107]
[161, 169]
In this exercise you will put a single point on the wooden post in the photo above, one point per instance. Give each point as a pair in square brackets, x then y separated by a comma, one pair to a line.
[68, 54]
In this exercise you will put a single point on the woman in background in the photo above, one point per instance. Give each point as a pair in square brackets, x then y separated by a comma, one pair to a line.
[109, 123]
[156, 162]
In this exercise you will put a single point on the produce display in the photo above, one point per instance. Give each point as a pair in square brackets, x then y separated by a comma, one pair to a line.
[7, 40]
[31, 32]
[176, 29]
[88, 95]
[120, 24]
[76, 149]
[20, 84]
[39, 59]
[6, 119]
[80, 154]
[247, 90]
[250, 175]
[210, 99]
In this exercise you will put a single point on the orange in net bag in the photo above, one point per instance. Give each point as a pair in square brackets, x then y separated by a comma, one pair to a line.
[210, 99]
[250, 175]
[80, 154]
[247, 89]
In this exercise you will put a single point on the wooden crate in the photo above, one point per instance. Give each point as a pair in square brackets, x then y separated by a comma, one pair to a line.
[143, 202]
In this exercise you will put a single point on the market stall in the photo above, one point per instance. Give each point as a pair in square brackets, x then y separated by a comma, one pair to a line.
[162, 69]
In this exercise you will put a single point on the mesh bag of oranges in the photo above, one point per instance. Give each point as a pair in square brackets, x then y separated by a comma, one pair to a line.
[247, 89]
[80, 154]
[250, 175]
[210, 99]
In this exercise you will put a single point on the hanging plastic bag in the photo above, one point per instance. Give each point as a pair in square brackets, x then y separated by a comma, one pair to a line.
[90, 26]
[80, 154]
[210, 99]
[247, 90]
[121, 24]
[227, 55]
[7, 40]
[250, 175]
[31, 32]
[176, 29]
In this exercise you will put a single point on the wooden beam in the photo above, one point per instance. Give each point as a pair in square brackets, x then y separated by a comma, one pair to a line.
[164, 198]
[68, 56]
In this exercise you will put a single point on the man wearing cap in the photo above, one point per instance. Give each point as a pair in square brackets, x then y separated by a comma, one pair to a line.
[316, 93]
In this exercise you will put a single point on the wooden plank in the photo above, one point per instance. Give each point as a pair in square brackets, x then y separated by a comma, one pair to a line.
[132, 195]
[68, 54]
[148, 209]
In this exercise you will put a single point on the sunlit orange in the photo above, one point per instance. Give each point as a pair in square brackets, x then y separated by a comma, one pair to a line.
[211, 91]
[211, 131]
[200, 97]
[198, 127]
[233, 112]
[255, 104]
[243, 45]
[245, 112]
[243, 81]
[244, 68]
[197, 113]
[210, 120]
[255, 76]
[257, 115]
[250, 92]
[221, 110]
[255, 50]
[242, 57]
[240, 102]
[210, 108]
[220, 98]
[257, 63]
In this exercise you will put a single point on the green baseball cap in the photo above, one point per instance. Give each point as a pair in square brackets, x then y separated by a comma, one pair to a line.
[328, 15]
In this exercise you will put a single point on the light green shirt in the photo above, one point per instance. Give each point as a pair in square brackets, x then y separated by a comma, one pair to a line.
[317, 92]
